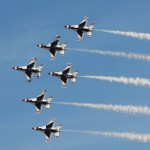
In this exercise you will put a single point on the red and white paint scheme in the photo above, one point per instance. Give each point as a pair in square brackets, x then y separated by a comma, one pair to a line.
[48, 129]
[65, 75]
[39, 101]
[30, 69]
[54, 47]
[81, 28]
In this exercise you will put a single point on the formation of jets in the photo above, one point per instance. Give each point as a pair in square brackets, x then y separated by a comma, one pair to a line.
[64, 75]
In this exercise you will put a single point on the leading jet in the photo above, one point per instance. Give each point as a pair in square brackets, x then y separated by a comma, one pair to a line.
[48, 129]
[65, 75]
[39, 101]
[81, 28]
[30, 69]
[54, 47]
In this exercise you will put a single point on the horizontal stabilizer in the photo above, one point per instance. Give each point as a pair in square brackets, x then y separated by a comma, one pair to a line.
[64, 45]
[89, 34]
[91, 26]
[40, 67]
[62, 52]
[47, 106]
[75, 73]
[73, 80]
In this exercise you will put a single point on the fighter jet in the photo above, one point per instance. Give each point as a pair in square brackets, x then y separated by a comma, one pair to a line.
[48, 129]
[81, 28]
[54, 47]
[39, 101]
[30, 69]
[65, 75]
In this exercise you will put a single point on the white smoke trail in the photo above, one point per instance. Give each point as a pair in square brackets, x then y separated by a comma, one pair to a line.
[118, 108]
[117, 54]
[145, 36]
[135, 81]
[145, 138]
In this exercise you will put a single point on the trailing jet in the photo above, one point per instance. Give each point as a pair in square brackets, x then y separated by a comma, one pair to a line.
[81, 28]
[39, 101]
[30, 69]
[48, 129]
[65, 75]
[54, 47]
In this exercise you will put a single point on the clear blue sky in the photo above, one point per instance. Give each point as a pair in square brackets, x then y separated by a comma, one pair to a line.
[27, 23]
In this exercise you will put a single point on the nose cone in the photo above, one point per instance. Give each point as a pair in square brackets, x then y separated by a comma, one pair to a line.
[24, 100]
[38, 45]
[33, 128]
[65, 26]
[50, 73]
[15, 68]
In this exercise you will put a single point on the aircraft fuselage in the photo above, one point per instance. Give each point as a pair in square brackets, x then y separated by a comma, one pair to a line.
[60, 75]
[48, 47]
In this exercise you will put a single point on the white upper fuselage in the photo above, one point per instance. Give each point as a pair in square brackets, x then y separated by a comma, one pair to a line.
[49, 46]
[35, 101]
[26, 69]
[77, 28]
[60, 74]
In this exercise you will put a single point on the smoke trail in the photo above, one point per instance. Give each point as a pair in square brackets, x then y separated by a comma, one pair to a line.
[145, 138]
[145, 36]
[118, 108]
[135, 81]
[117, 54]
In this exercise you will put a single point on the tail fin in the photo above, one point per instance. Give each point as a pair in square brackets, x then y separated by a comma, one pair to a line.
[49, 100]
[58, 130]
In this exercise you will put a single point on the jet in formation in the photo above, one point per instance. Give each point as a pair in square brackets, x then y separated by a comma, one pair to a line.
[30, 69]
[54, 47]
[65, 75]
[81, 28]
[48, 129]
[39, 101]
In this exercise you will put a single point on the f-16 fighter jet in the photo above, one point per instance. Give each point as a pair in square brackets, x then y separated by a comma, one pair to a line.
[39, 101]
[54, 47]
[65, 75]
[48, 129]
[81, 28]
[30, 69]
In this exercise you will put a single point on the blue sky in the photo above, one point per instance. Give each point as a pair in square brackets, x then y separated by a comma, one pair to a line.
[25, 24]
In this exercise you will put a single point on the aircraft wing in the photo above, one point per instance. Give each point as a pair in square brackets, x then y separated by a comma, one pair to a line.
[32, 63]
[50, 124]
[83, 22]
[52, 53]
[41, 96]
[28, 76]
[64, 81]
[67, 69]
[56, 41]
[38, 107]
[80, 35]
[47, 135]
